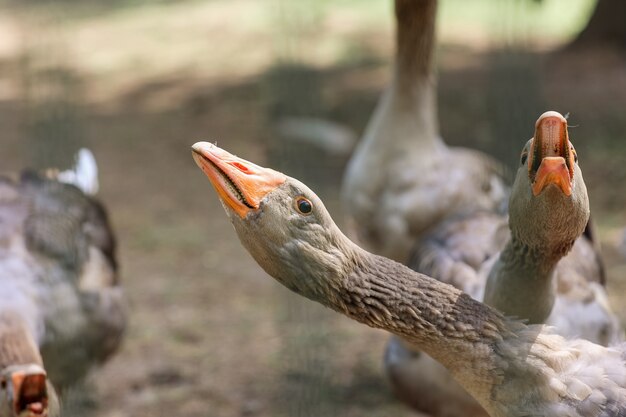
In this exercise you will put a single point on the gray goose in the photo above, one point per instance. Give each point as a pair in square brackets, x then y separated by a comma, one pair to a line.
[523, 263]
[58, 265]
[510, 368]
[403, 179]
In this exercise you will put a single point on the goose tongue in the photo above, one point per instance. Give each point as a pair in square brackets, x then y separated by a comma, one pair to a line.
[551, 159]
[240, 184]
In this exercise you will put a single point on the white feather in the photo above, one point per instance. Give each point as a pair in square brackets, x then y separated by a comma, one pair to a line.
[84, 174]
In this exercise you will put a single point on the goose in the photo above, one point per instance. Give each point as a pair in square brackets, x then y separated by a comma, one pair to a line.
[58, 265]
[510, 368]
[548, 212]
[538, 263]
[535, 265]
[25, 390]
[402, 178]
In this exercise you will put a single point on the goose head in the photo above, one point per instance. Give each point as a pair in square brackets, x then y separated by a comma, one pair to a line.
[549, 206]
[279, 220]
[24, 391]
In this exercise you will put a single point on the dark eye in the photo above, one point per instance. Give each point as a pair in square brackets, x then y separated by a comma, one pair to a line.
[524, 158]
[303, 205]
[575, 156]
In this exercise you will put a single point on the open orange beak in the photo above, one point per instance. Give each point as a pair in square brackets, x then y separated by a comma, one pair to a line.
[240, 184]
[30, 394]
[551, 158]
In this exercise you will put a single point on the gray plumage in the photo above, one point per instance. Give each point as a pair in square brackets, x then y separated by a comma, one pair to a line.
[512, 369]
[57, 264]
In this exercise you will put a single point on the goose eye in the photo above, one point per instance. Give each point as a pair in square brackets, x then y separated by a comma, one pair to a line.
[524, 158]
[304, 206]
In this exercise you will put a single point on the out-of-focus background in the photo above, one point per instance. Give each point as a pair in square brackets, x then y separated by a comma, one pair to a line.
[138, 81]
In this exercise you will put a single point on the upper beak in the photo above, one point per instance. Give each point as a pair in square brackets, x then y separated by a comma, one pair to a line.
[30, 393]
[240, 184]
[551, 159]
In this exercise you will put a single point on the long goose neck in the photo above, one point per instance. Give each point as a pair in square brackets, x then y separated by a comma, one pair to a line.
[415, 42]
[520, 284]
[405, 119]
[414, 84]
[17, 345]
[462, 334]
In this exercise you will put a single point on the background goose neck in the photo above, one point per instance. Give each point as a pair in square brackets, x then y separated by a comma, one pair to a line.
[413, 95]
[415, 38]
[17, 345]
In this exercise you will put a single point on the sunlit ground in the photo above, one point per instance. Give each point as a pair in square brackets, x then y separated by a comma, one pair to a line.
[138, 83]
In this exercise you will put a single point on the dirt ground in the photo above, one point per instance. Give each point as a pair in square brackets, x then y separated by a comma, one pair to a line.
[210, 334]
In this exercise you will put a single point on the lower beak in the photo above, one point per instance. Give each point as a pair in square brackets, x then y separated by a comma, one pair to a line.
[240, 184]
[553, 170]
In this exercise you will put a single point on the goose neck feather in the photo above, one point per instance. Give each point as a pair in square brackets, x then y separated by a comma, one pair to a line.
[17, 344]
[520, 282]
[445, 322]
[512, 369]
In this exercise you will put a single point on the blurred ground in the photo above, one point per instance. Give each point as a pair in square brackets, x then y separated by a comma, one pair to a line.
[138, 83]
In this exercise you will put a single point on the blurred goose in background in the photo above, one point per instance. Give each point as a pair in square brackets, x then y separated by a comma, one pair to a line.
[535, 266]
[24, 387]
[511, 369]
[58, 266]
[403, 179]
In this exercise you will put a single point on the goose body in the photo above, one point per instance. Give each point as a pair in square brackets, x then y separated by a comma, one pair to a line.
[57, 265]
[510, 368]
[403, 179]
